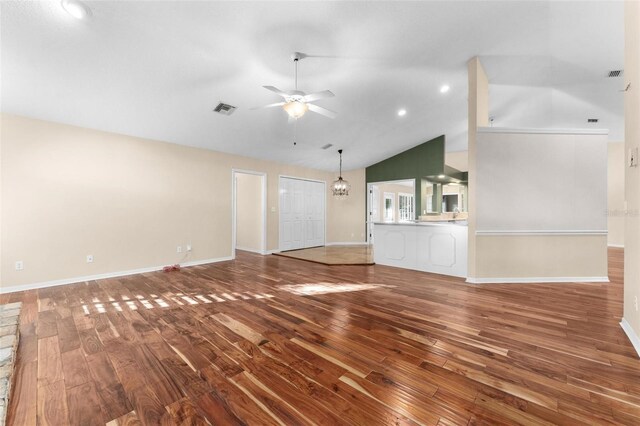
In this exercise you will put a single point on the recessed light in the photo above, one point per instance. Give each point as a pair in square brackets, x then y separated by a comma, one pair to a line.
[76, 8]
[445, 88]
[402, 112]
[441, 176]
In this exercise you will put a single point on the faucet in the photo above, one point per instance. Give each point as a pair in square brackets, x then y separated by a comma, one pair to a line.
[456, 212]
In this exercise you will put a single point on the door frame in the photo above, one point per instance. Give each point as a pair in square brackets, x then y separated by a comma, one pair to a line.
[234, 189]
[324, 183]
[370, 185]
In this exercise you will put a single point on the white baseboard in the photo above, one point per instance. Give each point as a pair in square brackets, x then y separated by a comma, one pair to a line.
[616, 245]
[271, 251]
[45, 284]
[347, 244]
[631, 334]
[250, 250]
[533, 280]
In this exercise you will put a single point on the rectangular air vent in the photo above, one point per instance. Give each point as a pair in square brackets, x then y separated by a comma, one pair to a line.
[224, 109]
[615, 73]
[327, 146]
[592, 120]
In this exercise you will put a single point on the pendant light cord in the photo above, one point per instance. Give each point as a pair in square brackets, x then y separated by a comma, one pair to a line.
[340, 175]
[295, 61]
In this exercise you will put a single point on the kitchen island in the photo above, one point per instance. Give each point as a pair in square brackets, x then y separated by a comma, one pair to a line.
[438, 247]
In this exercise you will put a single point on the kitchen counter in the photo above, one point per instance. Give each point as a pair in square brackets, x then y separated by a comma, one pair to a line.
[438, 247]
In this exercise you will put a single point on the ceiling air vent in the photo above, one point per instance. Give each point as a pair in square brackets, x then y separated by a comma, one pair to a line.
[592, 120]
[327, 146]
[224, 109]
[615, 73]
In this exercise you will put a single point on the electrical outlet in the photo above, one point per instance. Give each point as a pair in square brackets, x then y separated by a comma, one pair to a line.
[179, 249]
[19, 265]
[273, 209]
[188, 247]
[89, 258]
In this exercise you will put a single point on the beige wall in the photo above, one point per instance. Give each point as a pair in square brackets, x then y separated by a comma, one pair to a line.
[615, 194]
[632, 174]
[68, 192]
[458, 160]
[478, 111]
[541, 256]
[249, 226]
[615, 187]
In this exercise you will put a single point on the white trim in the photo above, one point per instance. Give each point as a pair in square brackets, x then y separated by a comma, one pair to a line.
[631, 334]
[541, 232]
[395, 181]
[616, 245]
[543, 131]
[263, 176]
[302, 178]
[251, 250]
[347, 243]
[74, 280]
[268, 252]
[538, 280]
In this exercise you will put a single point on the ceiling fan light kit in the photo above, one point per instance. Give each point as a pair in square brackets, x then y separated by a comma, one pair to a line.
[340, 187]
[296, 102]
[295, 109]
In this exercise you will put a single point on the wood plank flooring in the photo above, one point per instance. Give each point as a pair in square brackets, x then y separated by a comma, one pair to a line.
[239, 342]
[334, 255]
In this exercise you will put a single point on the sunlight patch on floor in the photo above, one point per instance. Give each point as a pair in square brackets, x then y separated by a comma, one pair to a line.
[311, 289]
[180, 299]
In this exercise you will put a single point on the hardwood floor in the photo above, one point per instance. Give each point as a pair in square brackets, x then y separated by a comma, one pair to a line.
[239, 343]
[334, 255]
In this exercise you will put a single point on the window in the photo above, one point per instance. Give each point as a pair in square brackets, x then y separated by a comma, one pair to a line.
[389, 206]
[405, 207]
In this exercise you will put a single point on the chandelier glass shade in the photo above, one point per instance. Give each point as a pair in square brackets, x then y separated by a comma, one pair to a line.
[340, 187]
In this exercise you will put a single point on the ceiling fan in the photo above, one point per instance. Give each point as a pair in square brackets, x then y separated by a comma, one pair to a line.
[296, 103]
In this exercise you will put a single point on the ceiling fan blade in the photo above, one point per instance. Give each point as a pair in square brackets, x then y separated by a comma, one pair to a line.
[318, 95]
[323, 111]
[277, 91]
[269, 106]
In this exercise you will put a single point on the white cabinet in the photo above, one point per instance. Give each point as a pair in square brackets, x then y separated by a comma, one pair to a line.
[440, 248]
[302, 213]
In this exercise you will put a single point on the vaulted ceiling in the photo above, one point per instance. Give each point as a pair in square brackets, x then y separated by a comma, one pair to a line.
[157, 69]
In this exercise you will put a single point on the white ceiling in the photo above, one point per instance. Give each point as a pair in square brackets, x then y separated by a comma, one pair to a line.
[156, 70]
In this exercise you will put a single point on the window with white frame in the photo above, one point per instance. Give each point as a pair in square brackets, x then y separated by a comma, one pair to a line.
[389, 206]
[406, 207]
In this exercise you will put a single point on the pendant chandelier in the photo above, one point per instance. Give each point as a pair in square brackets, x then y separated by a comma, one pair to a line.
[340, 187]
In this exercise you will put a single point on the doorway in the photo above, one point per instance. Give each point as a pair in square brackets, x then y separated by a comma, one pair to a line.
[302, 213]
[249, 214]
[391, 201]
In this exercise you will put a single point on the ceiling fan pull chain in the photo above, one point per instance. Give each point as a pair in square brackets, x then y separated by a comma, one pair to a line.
[295, 128]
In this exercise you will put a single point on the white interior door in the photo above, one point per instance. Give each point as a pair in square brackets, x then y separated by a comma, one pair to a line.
[374, 209]
[314, 214]
[302, 213]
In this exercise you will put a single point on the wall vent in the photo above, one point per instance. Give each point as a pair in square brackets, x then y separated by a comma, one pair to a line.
[327, 146]
[615, 73]
[224, 109]
[592, 120]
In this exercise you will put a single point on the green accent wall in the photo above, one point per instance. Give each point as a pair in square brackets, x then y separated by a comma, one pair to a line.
[426, 159]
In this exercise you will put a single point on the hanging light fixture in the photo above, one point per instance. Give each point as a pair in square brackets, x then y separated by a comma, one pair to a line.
[296, 107]
[340, 187]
